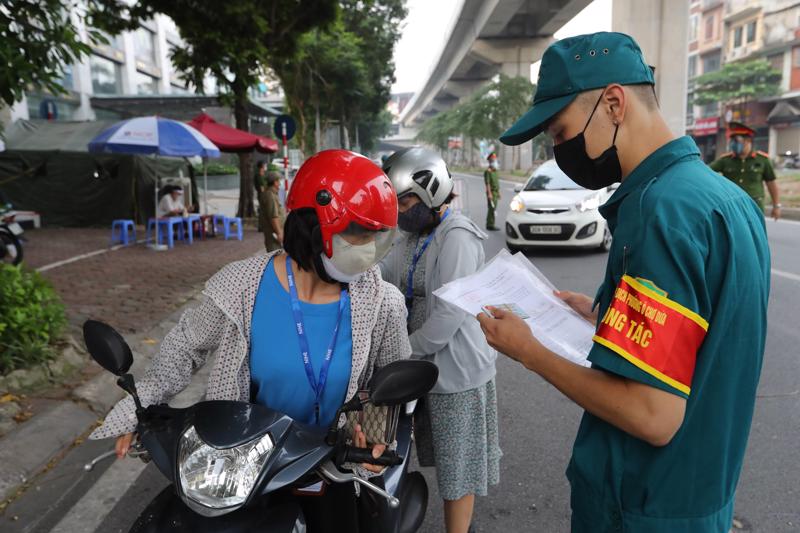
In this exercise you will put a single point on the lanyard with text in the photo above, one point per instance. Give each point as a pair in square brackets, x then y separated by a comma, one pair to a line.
[305, 351]
[415, 260]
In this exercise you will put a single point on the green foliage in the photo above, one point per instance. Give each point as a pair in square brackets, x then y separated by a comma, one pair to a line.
[31, 318]
[38, 39]
[345, 71]
[485, 115]
[235, 42]
[214, 168]
[738, 83]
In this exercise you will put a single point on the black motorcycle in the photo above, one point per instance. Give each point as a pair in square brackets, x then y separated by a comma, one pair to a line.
[10, 239]
[237, 466]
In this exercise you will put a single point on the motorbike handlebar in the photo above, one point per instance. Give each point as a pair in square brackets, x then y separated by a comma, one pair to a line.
[351, 454]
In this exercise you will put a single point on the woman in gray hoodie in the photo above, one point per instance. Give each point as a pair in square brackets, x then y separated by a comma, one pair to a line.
[456, 427]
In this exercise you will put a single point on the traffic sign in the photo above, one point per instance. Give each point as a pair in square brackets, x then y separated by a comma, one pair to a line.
[291, 127]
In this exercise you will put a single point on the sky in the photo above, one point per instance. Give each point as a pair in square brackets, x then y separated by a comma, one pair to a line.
[428, 25]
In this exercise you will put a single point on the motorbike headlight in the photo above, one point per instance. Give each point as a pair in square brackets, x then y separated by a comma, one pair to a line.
[220, 478]
[587, 204]
[517, 205]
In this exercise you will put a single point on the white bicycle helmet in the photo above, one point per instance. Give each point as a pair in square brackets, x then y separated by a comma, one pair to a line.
[422, 172]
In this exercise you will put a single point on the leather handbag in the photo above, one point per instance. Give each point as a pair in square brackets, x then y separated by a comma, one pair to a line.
[378, 422]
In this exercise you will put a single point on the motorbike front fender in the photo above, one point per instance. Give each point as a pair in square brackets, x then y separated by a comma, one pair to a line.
[168, 513]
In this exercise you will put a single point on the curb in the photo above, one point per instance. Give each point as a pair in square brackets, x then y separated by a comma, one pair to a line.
[30, 448]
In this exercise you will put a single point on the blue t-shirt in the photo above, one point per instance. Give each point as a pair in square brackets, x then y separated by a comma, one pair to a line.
[276, 366]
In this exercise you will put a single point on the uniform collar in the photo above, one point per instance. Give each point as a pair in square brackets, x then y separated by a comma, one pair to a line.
[654, 164]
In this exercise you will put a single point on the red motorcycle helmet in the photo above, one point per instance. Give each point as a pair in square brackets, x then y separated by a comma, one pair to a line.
[348, 192]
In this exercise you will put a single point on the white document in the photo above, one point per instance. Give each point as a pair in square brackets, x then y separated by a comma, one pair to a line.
[508, 279]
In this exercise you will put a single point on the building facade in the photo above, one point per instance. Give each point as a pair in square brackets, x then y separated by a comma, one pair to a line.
[134, 63]
[725, 31]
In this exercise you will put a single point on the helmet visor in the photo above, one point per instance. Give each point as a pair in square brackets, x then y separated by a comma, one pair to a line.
[357, 249]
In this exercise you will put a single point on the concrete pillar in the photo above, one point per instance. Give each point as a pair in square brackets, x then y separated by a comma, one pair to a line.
[162, 57]
[661, 29]
[773, 144]
[129, 67]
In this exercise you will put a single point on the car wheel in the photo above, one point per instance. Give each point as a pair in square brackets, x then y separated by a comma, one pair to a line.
[513, 249]
[605, 246]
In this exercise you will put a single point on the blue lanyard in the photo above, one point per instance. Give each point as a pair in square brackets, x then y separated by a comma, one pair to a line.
[317, 386]
[415, 260]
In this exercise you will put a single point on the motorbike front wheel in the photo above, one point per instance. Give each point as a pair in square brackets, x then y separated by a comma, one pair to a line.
[10, 248]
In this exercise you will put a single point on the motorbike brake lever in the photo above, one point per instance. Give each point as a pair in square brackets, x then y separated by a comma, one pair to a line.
[329, 471]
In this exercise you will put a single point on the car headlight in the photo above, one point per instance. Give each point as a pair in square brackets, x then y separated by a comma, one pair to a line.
[219, 478]
[517, 205]
[587, 204]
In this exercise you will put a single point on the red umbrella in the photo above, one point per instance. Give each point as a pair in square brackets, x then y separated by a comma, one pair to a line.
[230, 139]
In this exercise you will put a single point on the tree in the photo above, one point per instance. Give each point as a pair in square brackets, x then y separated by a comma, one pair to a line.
[235, 42]
[38, 39]
[738, 83]
[343, 73]
[484, 115]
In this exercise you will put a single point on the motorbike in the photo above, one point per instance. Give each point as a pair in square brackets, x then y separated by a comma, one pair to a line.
[10, 238]
[237, 466]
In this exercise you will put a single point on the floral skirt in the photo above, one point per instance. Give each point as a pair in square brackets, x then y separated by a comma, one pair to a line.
[457, 433]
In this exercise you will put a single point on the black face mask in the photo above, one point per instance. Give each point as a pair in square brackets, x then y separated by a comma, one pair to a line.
[417, 219]
[590, 173]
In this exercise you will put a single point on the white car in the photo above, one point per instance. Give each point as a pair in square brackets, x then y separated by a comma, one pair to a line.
[552, 210]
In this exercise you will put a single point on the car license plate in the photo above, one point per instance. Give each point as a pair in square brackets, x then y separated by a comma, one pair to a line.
[15, 228]
[546, 230]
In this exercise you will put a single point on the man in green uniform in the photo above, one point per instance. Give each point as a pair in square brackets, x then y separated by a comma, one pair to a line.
[680, 316]
[492, 181]
[748, 168]
[272, 215]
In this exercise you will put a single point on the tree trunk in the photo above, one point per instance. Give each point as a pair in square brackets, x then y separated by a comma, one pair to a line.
[246, 188]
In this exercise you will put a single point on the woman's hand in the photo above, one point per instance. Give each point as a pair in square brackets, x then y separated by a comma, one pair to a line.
[580, 303]
[360, 440]
[123, 445]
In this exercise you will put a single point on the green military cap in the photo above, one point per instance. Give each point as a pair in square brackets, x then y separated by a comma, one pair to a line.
[575, 65]
[738, 128]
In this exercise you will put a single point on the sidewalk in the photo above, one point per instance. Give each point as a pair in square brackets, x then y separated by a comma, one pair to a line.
[138, 291]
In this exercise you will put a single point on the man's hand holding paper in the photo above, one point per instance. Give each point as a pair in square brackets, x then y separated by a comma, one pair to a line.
[511, 283]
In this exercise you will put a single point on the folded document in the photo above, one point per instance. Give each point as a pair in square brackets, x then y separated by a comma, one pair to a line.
[513, 283]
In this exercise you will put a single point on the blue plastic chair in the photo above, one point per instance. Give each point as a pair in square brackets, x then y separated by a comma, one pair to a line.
[121, 230]
[218, 223]
[230, 221]
[166, 229]
[189, 221]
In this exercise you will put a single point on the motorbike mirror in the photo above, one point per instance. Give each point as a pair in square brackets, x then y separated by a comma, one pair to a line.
[402, 381]
[107, 347]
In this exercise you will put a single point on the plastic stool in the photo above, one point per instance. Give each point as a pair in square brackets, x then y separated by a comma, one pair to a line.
[125, 227]
[230, 221]
[166, 226]
[218, 223]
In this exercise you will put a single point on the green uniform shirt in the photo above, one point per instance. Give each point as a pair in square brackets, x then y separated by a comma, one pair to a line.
[695, 247]
[748, 173]
[271, 208]
[492, 180]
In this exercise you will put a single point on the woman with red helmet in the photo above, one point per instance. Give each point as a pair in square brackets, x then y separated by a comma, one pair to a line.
[300, 330]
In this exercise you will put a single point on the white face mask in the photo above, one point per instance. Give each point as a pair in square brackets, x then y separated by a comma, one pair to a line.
[349, 261]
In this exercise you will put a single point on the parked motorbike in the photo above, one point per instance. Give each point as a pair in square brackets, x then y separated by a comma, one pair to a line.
[790, 160]
[237, 466]
[10, 238]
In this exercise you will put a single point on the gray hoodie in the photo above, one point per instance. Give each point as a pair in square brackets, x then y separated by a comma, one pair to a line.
[449, 337]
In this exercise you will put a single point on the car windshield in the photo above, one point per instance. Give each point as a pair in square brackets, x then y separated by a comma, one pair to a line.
[550, 180]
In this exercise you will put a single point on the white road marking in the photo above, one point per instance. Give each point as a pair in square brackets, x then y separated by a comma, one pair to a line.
[787, 275]
[57, 264]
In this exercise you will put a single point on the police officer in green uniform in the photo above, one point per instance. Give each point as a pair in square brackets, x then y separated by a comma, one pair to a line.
[748, 168]
[680, 316]
[492, 182]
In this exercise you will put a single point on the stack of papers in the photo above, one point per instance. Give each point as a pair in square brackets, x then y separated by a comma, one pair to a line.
[513, 283]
